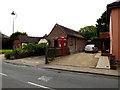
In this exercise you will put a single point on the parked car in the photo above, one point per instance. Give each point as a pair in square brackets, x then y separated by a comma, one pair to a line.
[91, 48]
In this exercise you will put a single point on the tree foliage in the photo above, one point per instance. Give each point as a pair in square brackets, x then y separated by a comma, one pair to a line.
[89, 32]
[102, 25]
[16, 34]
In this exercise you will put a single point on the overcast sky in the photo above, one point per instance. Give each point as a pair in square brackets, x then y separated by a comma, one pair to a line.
[38, 17]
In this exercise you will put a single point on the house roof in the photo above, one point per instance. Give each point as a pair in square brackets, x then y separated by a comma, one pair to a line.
[3, 35]
[28, 39]
[70, 32]
[111, 6]
[116, 3]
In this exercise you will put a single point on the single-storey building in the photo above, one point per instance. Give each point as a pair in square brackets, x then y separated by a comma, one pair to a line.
[113, 10]
[23, 40]
[72, 41]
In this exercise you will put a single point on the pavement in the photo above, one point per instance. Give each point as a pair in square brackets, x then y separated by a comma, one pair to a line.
[39, 61]
[103, 62]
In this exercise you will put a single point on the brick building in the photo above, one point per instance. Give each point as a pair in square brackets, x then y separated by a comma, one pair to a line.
[75, 41]
[22, 39]
[113, 10]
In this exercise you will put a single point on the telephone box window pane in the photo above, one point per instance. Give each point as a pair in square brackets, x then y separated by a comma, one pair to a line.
[64, 44]
[60, 43]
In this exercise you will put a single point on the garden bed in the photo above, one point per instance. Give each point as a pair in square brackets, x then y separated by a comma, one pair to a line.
[30, 49]
[22, 55]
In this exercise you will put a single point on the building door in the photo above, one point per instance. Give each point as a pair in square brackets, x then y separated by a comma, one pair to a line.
[62, 42]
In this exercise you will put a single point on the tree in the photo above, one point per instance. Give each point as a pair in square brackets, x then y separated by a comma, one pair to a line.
[89, 32]
[16, 34]
[102, 25]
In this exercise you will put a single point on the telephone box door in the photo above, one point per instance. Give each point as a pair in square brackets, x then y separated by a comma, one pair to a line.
[62, 42]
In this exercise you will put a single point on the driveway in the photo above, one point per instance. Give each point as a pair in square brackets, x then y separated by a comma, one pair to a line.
[79, 59]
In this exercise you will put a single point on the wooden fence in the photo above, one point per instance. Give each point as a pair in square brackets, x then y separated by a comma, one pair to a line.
[51, 53]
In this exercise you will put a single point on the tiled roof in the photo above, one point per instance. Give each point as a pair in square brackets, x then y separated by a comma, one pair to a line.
[3, 35]
[71, 32]
[28, 39]
[116, 3]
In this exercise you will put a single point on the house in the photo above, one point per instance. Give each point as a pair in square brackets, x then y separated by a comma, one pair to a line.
[3, 36]
[113, 10]
[23, 40]
[70, 40]
[4, 41]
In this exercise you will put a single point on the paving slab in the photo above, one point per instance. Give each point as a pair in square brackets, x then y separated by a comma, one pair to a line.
[103, 62]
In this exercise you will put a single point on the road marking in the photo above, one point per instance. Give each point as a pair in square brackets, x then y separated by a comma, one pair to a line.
[39, 85]
[44, 78]
[3, 74]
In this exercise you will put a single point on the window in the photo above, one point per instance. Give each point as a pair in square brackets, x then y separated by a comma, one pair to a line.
[15, 45]
[18, 45]
[71, 42]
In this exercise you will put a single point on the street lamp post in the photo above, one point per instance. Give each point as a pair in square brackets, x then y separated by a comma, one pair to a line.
[14, 14]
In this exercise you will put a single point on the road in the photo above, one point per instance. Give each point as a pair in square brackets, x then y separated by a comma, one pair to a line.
[19, 76]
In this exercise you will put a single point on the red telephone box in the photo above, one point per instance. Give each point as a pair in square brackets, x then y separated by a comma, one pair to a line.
[62, 42]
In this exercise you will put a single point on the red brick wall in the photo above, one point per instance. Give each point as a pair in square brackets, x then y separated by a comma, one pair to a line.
[97, 43]
[56, 32]
[81, 44]
[116, 32]
[78, 44]
[16, 42]
[71, 47]
[104, 35]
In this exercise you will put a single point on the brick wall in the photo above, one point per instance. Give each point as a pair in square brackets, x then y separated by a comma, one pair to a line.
[17, 42]
[97, 43]
[77, 46]
[56, 32]
[80, 44]
[71, 47]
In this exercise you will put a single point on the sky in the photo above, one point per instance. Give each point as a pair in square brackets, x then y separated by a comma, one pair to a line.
[38, 17]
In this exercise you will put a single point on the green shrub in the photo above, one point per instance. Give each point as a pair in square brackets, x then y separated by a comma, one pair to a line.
[7, 55]
[35, 49]
[19, 50]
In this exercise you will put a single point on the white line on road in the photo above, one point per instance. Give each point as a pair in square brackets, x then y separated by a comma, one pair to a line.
[39, 85]
[3, 74]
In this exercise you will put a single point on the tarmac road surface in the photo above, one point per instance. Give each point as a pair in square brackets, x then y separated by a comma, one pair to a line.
[20, 76]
